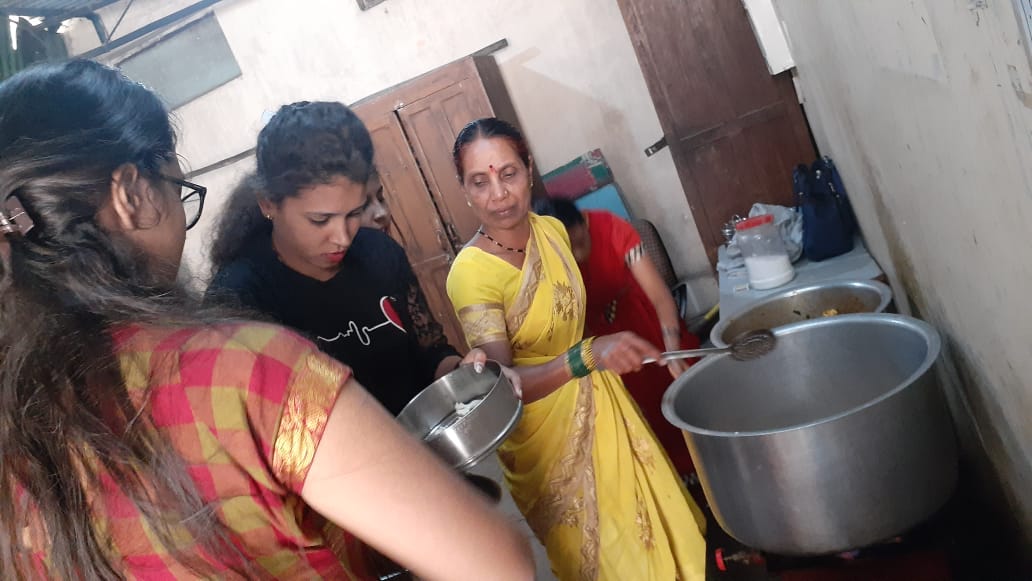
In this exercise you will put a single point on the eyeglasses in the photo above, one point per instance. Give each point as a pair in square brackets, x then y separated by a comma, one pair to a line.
[192, 196]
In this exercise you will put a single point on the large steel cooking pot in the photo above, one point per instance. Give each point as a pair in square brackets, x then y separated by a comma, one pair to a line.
[837, 439]
[802, 303]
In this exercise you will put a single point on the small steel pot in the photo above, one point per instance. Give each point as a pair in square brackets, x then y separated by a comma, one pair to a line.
[803, 303]
[462, 441]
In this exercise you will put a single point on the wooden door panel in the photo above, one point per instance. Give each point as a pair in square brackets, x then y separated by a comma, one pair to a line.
[431, 125]
[413, 127]
[433, 276]
[745, 82]
[735, 131]
[711, 64]
[417, 226]
[735, 170]
[413, 212]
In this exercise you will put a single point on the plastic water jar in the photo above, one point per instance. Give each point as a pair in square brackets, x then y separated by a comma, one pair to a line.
[764, 252]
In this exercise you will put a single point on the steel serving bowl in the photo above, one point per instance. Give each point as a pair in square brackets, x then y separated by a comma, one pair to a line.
[803, 303]
[837, 439]
[464, 440]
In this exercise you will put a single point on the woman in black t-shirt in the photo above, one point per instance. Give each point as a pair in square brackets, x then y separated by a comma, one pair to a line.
[289, 245]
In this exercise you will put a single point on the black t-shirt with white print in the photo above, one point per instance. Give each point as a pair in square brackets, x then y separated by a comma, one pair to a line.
[372, 315]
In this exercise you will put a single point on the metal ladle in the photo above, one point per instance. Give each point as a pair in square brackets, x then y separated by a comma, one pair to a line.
[744, 348]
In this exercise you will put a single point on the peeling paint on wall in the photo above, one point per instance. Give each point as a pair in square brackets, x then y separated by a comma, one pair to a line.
[926, 109]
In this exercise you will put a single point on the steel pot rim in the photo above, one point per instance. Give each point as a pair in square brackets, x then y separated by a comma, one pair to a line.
[461, 462]
[931, 336]
[779, 294]
[491, 448]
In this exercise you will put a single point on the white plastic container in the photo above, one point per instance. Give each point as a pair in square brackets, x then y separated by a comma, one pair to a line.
[764, 252]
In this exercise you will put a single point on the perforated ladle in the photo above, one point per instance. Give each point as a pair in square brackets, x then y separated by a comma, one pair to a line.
[746, 347]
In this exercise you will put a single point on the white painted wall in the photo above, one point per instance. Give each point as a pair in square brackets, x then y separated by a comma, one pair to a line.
[570, 68]
[770, 34]
[926, 106]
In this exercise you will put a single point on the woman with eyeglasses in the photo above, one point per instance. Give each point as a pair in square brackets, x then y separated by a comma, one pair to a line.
[290, 246]
[144, 436]
[192, 196]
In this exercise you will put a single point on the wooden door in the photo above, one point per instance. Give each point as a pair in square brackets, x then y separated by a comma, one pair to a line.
[735, 131]
[431, 124]
[417, 225]
[413, 126]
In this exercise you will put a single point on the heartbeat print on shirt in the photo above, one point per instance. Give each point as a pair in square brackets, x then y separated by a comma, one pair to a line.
[362, 333]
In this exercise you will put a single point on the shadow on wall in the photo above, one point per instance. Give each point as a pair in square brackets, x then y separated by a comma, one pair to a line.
[557, 141]
[539, 93]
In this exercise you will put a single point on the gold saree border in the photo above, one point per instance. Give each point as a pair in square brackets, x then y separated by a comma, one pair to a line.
[307, 410]
[532, 270]
[483, 323]
[571, 486]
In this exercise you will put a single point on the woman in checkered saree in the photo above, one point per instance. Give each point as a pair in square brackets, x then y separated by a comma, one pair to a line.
[145, 438]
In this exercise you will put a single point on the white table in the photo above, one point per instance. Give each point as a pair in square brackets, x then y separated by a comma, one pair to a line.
[735, 293]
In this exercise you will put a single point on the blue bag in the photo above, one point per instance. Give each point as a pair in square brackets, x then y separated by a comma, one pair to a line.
[829, 224]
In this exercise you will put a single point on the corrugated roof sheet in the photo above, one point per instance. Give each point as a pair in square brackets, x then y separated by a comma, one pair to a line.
[51, 7]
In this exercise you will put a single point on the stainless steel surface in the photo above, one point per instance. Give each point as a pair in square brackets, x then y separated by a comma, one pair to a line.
[803, 303]
[728, 229]
[687, 354]
[745, 347]
[839, 438]
[463, 441]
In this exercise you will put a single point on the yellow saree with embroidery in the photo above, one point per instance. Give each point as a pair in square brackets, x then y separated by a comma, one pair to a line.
[582, 465]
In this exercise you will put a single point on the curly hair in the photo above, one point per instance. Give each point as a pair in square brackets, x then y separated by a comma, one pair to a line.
[304, 144]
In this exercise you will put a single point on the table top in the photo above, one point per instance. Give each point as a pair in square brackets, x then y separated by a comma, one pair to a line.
[735, 294]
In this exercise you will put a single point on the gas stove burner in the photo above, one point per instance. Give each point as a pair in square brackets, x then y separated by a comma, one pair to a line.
[892, 560]
[724, 561]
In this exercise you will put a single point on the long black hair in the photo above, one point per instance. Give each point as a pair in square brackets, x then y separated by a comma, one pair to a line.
[487, 128]
[303, 145]
[66, 418]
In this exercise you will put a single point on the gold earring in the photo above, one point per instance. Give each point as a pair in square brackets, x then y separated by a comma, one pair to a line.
[268, 216]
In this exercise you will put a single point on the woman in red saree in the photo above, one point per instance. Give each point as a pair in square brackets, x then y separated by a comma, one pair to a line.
[627, 293]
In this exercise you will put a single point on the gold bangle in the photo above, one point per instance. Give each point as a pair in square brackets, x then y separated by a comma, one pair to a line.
[587, 355]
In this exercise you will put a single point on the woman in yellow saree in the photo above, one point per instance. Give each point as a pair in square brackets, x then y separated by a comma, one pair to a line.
[582, 465]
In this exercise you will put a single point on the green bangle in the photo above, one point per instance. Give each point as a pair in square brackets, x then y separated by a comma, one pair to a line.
[575, 360]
